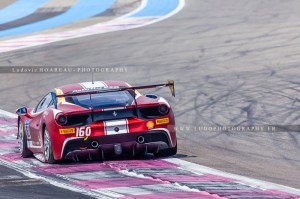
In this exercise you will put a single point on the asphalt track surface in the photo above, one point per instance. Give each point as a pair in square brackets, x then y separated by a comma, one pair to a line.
[234, 63]
[16, 185]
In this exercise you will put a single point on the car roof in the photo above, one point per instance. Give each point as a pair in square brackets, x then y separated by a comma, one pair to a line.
[89, 85]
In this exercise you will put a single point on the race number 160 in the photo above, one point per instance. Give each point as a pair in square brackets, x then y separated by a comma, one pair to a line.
[83, 131]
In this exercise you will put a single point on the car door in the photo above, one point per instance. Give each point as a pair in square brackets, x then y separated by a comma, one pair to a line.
[35, 128]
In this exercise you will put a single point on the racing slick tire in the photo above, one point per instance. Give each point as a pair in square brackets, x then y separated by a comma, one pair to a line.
[25, 152]
[48, 153]
[167, 152]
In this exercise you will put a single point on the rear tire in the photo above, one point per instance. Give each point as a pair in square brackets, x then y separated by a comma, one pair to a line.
[25, 152]
[167, 152]
[48, 153]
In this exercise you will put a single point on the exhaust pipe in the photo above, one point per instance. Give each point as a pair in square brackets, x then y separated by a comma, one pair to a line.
[95, 144]
[140, 139]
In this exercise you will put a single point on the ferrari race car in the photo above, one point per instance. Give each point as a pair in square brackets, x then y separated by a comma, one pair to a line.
[97, 120]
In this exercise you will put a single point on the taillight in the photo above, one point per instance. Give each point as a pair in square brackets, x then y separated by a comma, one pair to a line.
[163, 109]
[154, 111]
[61, 119]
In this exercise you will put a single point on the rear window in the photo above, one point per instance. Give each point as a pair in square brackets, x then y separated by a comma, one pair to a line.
[103, 100]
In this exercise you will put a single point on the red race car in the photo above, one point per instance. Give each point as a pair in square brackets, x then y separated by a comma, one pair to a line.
[96, 120]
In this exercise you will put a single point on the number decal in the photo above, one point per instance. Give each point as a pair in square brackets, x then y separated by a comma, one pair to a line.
[83, 131]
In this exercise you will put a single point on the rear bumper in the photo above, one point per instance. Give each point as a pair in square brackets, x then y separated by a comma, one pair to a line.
[122, 144]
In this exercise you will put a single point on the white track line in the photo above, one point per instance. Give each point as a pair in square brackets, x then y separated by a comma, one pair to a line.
[195, 168]
[8, 114]
[121, 23]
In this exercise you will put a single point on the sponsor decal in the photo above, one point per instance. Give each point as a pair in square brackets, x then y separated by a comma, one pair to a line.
[67, 131]
[162, 121]
[150, 125]
[88, 89]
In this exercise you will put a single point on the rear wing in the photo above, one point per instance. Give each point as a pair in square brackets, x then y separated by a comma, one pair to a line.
[170, 84]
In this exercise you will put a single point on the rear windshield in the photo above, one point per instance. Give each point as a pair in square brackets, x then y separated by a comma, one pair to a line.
[103, 100]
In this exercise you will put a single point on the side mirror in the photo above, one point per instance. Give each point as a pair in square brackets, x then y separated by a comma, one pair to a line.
[152, 96]
[21, 111]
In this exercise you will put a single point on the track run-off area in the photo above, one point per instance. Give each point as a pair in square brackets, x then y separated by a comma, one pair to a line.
[149, 12]
[234, 63]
